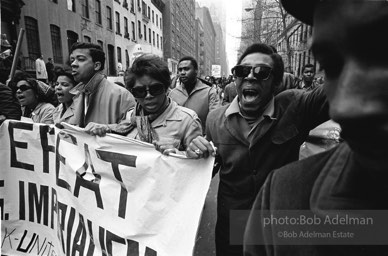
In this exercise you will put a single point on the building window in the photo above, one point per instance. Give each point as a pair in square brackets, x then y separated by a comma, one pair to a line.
[133, 6]
[109, 17]
[144, 8]
[98, 12]
[157, 40]
[149, 12]
[118, 54]
[126, 32]
[157, 20]
[72, 38]
[85, 8]
[56, 43]
[133, 30]
[145, 32]
[153, 16]
[32, 33]
[100, 43]
[160, 23]
[126, 59]
[161, 43]
[71, 5]
[149, 35]
[139, 28]
[118, 23]
[153, 38]
[138, 6]
[87, 39]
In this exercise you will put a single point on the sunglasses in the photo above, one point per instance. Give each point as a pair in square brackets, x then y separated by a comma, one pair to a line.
[23, 87]
[259, 72]
[153, 90]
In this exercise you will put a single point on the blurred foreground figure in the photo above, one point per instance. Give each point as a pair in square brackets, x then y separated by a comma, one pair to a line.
[353, 175]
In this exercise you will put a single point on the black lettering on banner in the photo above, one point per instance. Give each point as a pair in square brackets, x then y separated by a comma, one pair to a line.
[61, 159]
[150, 252]
[7, 236]
[38, 248]
[132, 247]
[4, 216]
[62, 216]
[17, 144]
[22, 201]
[79, 238]
[93, 185]
[69, 229]
[91, 243]
[115, 159]
[110, 238]
[101, 236]
[25, 250]
[44, 130]
[54, 207]
[41, 203]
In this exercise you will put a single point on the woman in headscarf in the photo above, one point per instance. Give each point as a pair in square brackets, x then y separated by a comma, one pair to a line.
[64, 112]
[156, 118]
[34, 96]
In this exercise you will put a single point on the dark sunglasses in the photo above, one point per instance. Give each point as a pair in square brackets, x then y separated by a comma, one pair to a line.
[259, 72]
[141, 92]
[23, 87]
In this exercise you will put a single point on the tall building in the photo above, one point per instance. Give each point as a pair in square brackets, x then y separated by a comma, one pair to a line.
[51, 27]
[202, 13]
[217, 12]
[138, 29]
[179, 31]
[124, 28]
[200, 47]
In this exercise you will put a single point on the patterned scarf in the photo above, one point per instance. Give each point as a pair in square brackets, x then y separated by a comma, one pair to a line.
[142, 123]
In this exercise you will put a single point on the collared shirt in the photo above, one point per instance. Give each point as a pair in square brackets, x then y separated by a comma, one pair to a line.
[234, 108]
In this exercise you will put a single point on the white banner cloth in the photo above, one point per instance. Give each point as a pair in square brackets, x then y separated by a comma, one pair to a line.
[63, 192]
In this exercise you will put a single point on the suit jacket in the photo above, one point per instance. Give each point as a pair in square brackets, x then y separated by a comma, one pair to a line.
[330, 181]
[245, 163]
[108, 102]
[202, 99]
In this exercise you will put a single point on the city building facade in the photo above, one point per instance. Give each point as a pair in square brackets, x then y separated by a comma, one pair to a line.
[179, 31]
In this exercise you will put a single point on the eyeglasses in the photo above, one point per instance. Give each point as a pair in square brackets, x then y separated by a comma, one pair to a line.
[259, 72]
[23, 87]
[153, 90]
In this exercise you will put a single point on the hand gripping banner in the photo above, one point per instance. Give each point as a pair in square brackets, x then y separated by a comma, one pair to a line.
[63, 192]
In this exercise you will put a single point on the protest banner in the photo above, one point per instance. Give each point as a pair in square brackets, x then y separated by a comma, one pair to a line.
[63, 192]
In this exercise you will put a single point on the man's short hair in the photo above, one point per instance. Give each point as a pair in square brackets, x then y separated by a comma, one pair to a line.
[150, 65]
[278, 67]
[308, 65]
[191, 59]
[95, 50]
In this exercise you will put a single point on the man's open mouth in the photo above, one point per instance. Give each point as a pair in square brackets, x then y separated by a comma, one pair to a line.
[250, 94]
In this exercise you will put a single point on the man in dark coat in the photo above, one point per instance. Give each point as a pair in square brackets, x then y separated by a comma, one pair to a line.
[256, 133]
[353, 175]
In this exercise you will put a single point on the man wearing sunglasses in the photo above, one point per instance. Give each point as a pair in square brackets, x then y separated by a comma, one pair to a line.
[191, 92]
[256, 133]
[349, 180]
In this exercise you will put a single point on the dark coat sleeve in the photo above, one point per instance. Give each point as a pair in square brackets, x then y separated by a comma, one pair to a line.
[9, 106]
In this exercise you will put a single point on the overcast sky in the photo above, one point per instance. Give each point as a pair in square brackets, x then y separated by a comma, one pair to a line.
[233, 25]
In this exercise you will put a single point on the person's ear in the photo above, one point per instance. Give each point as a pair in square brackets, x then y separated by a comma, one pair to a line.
[97, 65]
